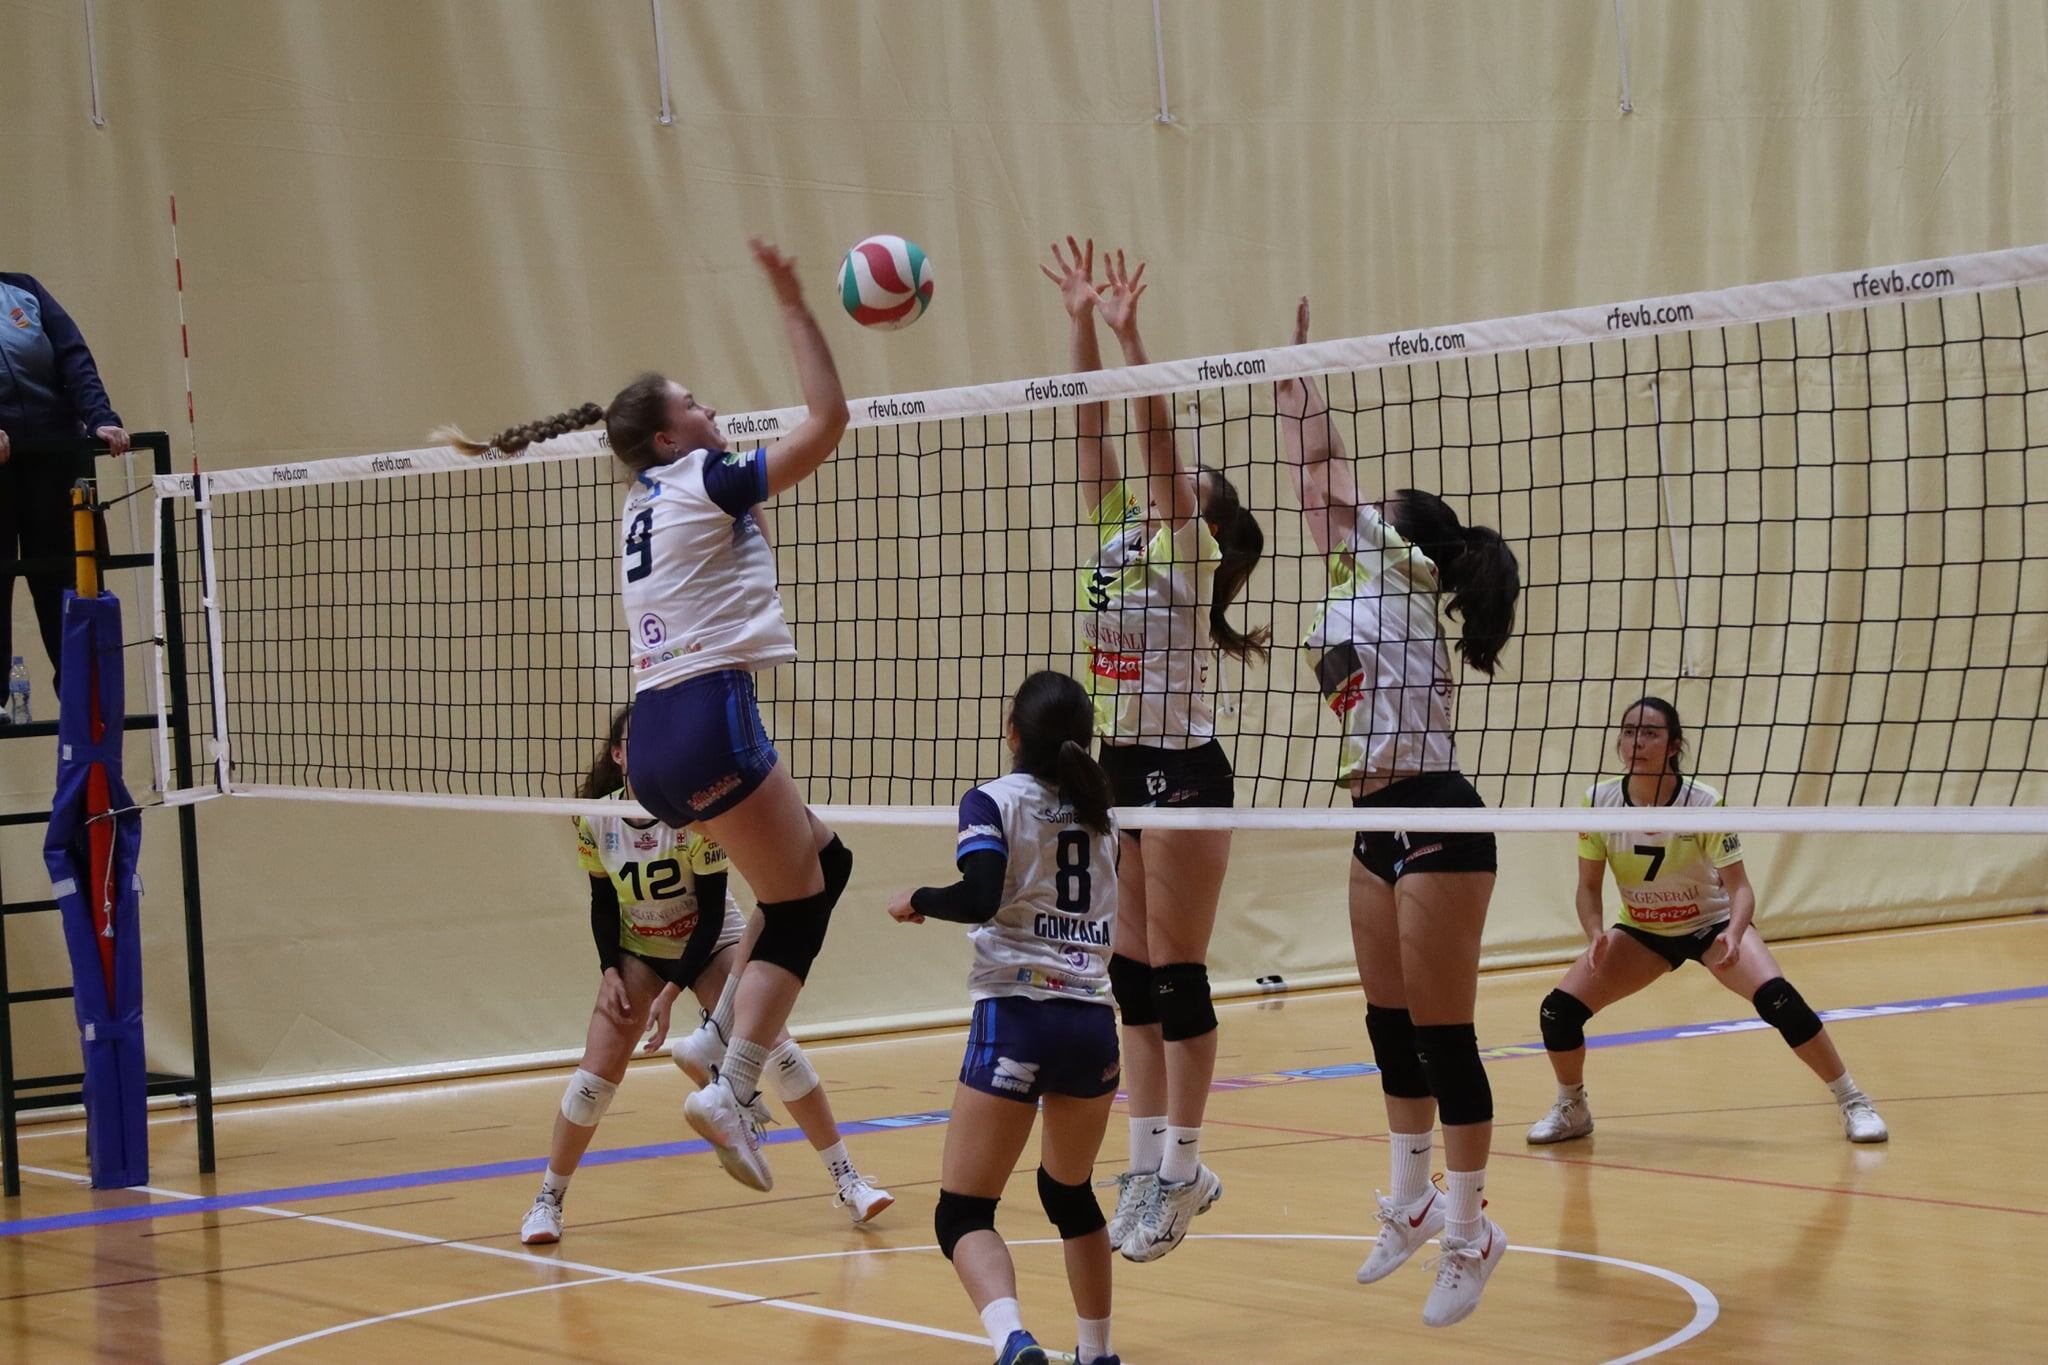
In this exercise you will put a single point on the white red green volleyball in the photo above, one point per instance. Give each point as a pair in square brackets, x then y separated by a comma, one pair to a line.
[885, 282]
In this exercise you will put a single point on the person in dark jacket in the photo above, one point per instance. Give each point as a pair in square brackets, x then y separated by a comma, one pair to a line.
[50, 396]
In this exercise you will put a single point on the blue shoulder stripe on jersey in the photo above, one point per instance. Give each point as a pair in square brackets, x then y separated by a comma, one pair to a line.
[981, 825]
[980, 844]
[737, 482]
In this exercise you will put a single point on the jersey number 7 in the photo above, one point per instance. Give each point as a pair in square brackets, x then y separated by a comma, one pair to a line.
[1655, 853]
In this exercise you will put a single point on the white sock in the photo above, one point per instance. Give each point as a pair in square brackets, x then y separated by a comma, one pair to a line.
[1571, 1094]
[1462, 1217]
[556, 1185]
[1411, 1153]
[837, 1161]
[742, 1069]
[1843, 1088]
[1000, 1319]
[1148, 1144]
[1183, 1156]
[721, 1013]
[1093, 1339]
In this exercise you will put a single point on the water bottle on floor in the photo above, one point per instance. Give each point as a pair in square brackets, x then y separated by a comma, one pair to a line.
[17, 692]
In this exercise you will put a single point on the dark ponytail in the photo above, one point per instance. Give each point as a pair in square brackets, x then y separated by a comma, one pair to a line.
[1054, 721]
[604, 776]
[1242, 541]
[1476, 568]
[637, 413]
[1677, 731]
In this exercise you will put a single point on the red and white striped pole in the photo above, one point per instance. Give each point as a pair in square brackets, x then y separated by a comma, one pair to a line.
[184, 337]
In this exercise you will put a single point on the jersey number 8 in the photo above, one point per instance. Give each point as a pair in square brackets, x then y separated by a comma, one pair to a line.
[1073, 887]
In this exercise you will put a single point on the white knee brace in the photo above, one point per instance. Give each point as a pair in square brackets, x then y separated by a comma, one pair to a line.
[792, 1072]
[586, 1099]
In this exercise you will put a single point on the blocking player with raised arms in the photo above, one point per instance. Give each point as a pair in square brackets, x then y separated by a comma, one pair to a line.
[1037, 852]
[1175, 548]
[664, 921]
[704, 615]
[1684, 898]
[1418, 899]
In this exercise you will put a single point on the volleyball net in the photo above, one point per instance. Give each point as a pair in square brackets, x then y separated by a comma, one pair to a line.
[1813, 514]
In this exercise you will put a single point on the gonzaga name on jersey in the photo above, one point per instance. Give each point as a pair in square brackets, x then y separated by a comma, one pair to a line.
[699, 577]
[1050, 941]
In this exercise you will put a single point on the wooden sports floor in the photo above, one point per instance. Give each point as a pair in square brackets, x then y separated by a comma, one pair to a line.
[1716, 1215]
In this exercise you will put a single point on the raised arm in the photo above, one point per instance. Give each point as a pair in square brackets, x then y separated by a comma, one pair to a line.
[1314, 453]
[1075, 276]
[1170, 488]
[797, 456]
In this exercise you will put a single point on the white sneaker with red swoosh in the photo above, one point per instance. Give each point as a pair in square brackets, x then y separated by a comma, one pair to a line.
[1462, 1270]
[1403, 1230]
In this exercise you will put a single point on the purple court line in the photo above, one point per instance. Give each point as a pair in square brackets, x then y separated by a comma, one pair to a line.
[448, 1175]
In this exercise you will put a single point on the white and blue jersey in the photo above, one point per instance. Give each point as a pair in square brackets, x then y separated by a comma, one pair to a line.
[698, 577]
[1050, 940]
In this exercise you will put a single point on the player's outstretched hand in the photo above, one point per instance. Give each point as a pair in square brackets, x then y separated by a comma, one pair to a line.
[1121, 293]
[1290, 396]
[1075, 276]
[780, 270]
[901, 912]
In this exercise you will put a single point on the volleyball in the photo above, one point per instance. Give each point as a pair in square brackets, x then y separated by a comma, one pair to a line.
[885, 282]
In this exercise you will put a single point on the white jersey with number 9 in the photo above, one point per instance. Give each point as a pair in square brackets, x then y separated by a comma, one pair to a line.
[697, 576]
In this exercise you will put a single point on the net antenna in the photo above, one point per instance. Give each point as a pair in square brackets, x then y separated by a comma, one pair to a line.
[1800, 510]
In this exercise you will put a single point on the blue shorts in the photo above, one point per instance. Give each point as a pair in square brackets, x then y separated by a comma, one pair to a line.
[1020, 1048]
[696, 748]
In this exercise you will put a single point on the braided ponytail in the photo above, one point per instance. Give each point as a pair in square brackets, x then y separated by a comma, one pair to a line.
[512, 440]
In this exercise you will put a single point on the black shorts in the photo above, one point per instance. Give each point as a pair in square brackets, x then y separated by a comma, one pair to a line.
[1146, 775]
[1392, 856]
[1677, 949]
[713, 934]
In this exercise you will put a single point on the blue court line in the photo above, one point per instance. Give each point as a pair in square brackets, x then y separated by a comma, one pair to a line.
[448, 1175]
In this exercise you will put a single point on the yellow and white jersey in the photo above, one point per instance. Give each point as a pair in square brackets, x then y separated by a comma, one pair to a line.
[1144, 613]
[655, 870]
[1378, 652]
[1669, 883]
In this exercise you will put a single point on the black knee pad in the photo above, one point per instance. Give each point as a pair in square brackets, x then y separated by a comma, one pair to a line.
[835, 860]
[1563, 1020]
[792, 932]
[1450, 1058]
[1072, 1208]
[959, 1214]
[1393, 1051]
[1130, 982]
[1180, 990]
[1781, 1006]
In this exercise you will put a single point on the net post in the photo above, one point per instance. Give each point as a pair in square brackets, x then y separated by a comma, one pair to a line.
[210, 602]
[177, 715]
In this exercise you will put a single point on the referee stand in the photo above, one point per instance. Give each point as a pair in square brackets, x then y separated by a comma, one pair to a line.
[19, 1094]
